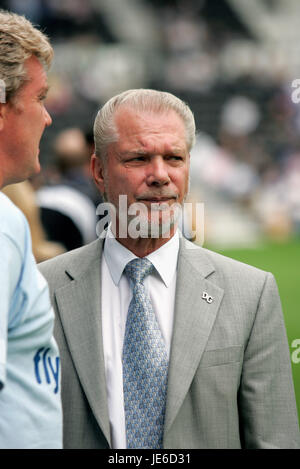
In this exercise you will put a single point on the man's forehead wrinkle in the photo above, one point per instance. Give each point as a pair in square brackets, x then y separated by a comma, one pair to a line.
[146, 143]
[168, 146]
[148, 132]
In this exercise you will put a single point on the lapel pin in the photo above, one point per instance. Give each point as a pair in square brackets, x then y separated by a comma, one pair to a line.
[207, 297]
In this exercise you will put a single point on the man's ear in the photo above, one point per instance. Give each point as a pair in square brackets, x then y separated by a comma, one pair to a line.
[97, 171]
[5, 109]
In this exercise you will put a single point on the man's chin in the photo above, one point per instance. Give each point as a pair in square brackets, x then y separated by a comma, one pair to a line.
[139, 221]
[36, 169]
[152, 227]
[33, 170]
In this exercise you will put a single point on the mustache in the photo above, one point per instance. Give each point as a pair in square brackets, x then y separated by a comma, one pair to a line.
[162, 193]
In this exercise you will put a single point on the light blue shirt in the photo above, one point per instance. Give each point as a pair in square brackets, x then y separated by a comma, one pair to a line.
[30, 405]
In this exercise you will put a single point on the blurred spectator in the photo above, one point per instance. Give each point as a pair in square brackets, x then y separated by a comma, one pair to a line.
[71, 160]
[224, 185]
[68, 216]
[68, 202]
[226, 166]
[277, 201]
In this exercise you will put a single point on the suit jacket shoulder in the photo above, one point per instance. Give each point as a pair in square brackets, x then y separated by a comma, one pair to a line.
[63, 268]
[221, 270]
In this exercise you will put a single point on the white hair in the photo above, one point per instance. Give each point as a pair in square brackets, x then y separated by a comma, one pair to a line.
[142, 100]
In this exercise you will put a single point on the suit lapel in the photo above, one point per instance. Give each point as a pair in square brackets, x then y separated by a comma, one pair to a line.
[193, 322]
[79, 304]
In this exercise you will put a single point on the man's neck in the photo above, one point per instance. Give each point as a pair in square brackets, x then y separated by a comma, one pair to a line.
[141, 247]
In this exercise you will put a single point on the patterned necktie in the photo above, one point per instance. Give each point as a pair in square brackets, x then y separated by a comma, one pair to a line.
[145, 365]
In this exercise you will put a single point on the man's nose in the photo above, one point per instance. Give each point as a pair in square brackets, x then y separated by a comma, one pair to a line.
[158, 174]
[48, 118]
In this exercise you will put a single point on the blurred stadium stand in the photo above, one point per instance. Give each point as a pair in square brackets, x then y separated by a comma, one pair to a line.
[232, 61]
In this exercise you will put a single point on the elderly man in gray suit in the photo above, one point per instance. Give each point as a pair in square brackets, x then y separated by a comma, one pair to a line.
[164, 344]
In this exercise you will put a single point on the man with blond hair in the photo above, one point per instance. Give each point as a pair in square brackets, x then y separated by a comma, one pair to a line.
[164, 344]
[30, 406]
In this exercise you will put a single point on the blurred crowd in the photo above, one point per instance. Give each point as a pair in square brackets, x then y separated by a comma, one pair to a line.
[245, 166]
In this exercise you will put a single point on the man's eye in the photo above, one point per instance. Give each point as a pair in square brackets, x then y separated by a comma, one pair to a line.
[175, 158]
[138, 158]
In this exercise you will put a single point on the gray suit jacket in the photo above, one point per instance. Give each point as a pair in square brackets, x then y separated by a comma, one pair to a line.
[230, 382]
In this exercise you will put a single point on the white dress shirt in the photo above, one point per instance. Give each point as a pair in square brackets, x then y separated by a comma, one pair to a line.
[116, 297]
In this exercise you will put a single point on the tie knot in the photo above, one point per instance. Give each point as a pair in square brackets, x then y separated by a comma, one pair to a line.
[137, 269]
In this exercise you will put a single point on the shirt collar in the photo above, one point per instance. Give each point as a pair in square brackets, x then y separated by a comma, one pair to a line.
[164, 259]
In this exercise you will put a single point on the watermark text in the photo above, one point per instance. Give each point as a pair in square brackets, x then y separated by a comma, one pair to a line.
[155, 220]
